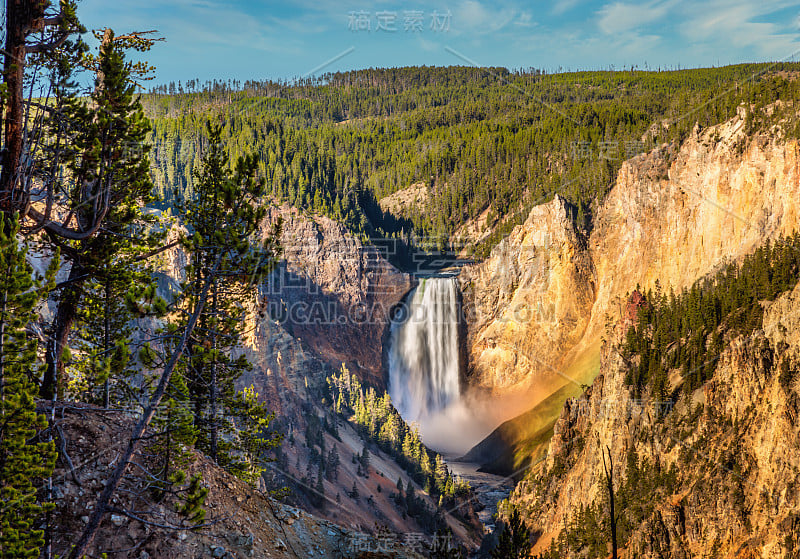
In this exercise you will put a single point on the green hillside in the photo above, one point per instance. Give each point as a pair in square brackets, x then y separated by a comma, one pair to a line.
[479, 138]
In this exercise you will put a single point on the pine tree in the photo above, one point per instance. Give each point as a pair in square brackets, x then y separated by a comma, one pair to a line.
[102, 146]
[332, 464]
[408, 447]
[175, 434]
[424, 459]
[23, 462]
[194, 497]
[441, 473]
[251, 437]
[36, 37]
[515, 539]
[104, 374]
[319, 490]
[364, 461]
[223, 219]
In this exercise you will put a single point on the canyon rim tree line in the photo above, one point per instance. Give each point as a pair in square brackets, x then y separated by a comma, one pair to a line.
[484, 142]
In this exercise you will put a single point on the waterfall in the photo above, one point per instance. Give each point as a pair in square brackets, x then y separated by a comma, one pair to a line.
[424, 352]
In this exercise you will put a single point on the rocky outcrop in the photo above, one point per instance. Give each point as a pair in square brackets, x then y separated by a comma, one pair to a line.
[530, 302]
[331, 292]
[732, 448]
[328, 302]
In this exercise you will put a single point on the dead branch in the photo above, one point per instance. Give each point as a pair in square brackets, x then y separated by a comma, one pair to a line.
[165, 526]
[62, 447]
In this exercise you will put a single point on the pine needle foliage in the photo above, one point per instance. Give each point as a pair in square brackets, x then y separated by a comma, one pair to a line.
[25, 461]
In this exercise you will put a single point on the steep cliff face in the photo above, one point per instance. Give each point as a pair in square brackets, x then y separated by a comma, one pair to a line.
[332, 293]
[541, 302]
[328, 302]
[529, 302]
[728, 455]
[674, 217]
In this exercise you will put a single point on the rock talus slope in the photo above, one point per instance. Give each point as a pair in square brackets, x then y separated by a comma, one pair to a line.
[240, 521]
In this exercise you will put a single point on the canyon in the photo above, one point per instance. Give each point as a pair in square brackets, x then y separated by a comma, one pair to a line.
[674, 215]
[542, 313]
[400, 311]
[536, 353]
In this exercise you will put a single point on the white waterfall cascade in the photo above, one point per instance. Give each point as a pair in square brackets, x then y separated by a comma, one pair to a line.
[424, 364]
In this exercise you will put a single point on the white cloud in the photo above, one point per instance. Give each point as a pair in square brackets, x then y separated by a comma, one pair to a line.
[237, 37]
[736, 25]
[620, 17]
[563, 6]
[428, 46]
[525, 19]
[473, 17]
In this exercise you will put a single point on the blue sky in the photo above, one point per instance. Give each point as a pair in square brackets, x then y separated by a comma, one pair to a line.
[263, 39]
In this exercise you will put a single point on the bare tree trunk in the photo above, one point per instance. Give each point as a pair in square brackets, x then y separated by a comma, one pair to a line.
[609, 471]
[213, 397]
[20, 16]
[53, 381]
[107, 339]
[101, 506]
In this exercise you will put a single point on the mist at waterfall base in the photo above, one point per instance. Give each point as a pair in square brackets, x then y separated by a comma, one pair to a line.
[424, 370]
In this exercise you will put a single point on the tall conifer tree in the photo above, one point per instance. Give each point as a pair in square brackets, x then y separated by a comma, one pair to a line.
[23, 461]
[223, 220]
[108, 186]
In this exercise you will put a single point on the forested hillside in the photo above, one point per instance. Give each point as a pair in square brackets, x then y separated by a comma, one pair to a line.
[687, 331]
[686, 389]
[479, 138]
